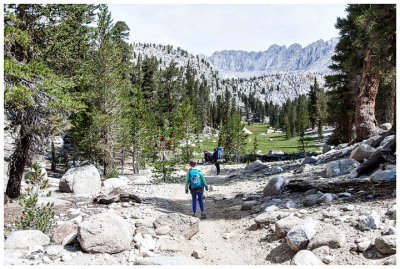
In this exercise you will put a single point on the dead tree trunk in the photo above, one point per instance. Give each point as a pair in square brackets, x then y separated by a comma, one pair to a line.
[53, 155]
[17, 164]
[365, 101]
[385, 154]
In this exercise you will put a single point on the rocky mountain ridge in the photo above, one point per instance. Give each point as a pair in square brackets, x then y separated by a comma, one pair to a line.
[276, 87]
[315, 57]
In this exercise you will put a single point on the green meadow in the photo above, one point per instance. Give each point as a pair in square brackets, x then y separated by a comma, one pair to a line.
[265, 141]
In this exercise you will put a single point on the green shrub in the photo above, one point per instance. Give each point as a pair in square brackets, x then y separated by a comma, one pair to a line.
[163, 170]
[34, 217]
[112, 172]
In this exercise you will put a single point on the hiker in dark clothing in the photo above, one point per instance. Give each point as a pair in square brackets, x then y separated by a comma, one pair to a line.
[195, 182]
[218, 158]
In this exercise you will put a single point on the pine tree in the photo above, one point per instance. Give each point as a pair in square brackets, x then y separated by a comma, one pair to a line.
[37, 97]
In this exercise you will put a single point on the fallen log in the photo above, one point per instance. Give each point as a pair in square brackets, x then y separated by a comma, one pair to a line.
[122, 197]
[385, 154]
[340, 185]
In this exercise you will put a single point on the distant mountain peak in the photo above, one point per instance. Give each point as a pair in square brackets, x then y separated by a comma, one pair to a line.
[315, 57]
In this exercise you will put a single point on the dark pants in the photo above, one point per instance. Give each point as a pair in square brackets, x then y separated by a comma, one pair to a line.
[197, 196]
[217, 166]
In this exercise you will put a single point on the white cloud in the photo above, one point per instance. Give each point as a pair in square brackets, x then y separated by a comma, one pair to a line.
[207, 28]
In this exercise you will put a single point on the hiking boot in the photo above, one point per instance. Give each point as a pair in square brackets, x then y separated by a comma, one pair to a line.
[194, 214]
[203, 216]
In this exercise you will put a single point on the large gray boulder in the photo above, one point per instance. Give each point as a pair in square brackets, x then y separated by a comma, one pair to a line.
[327, 235]
[387, 140]
[300, 235]
[275, 186]
[26, 239]
[179, 223]
[113, 183]
[283, 226]
[341, 167]
[105, 233]
[386, 244]
[83, 180]
[384, 175]
[363, 151]
[305, 257]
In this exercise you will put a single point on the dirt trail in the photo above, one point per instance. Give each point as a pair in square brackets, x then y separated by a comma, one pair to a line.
[217, 238]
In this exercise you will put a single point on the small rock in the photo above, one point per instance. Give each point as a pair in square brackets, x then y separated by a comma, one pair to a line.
[311, 199]
[26, 239]
[228, 236]
[275, 186]
[344, 194]
[69, 239]
[283, 226]
[327, 198]
[311, 191]
[341, 167]
[66, 257]
[384, 175]
[390, 231]
[46, 259]
[62, 231]
[348, 208]
[363, 151]
[36, 248]
[328, 259]
[326, 148]
[271, 208]
[163, 230]
[267, 218]
[74, 212]
[276, 201]
[327, 235]
[53, 251]
[364, 245]
[309, 160]
[386, 126]
[386, 140]
[386, 244]
[77, 220]
[290, 204]
[197, 254]
[300, 235]
[305, 257]
[372, 220]
[249, 204]
[276, 170]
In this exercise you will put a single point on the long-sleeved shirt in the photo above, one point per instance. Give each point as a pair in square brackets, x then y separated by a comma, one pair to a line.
[203, 181]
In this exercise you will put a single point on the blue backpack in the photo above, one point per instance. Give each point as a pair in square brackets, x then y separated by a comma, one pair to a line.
[219, 153]
[195, 180]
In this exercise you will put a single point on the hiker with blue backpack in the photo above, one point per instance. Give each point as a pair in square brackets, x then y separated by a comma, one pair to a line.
[196, 183]
[218, 158]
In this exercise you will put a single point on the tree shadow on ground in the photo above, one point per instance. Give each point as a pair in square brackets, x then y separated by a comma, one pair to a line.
[214, 209]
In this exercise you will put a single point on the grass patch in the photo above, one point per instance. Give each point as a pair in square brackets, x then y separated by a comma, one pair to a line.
[267, 142]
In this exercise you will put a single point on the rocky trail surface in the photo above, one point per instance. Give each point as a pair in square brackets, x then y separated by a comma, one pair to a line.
[254, 217]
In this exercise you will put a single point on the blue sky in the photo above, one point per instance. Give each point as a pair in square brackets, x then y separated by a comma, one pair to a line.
[208, 28]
